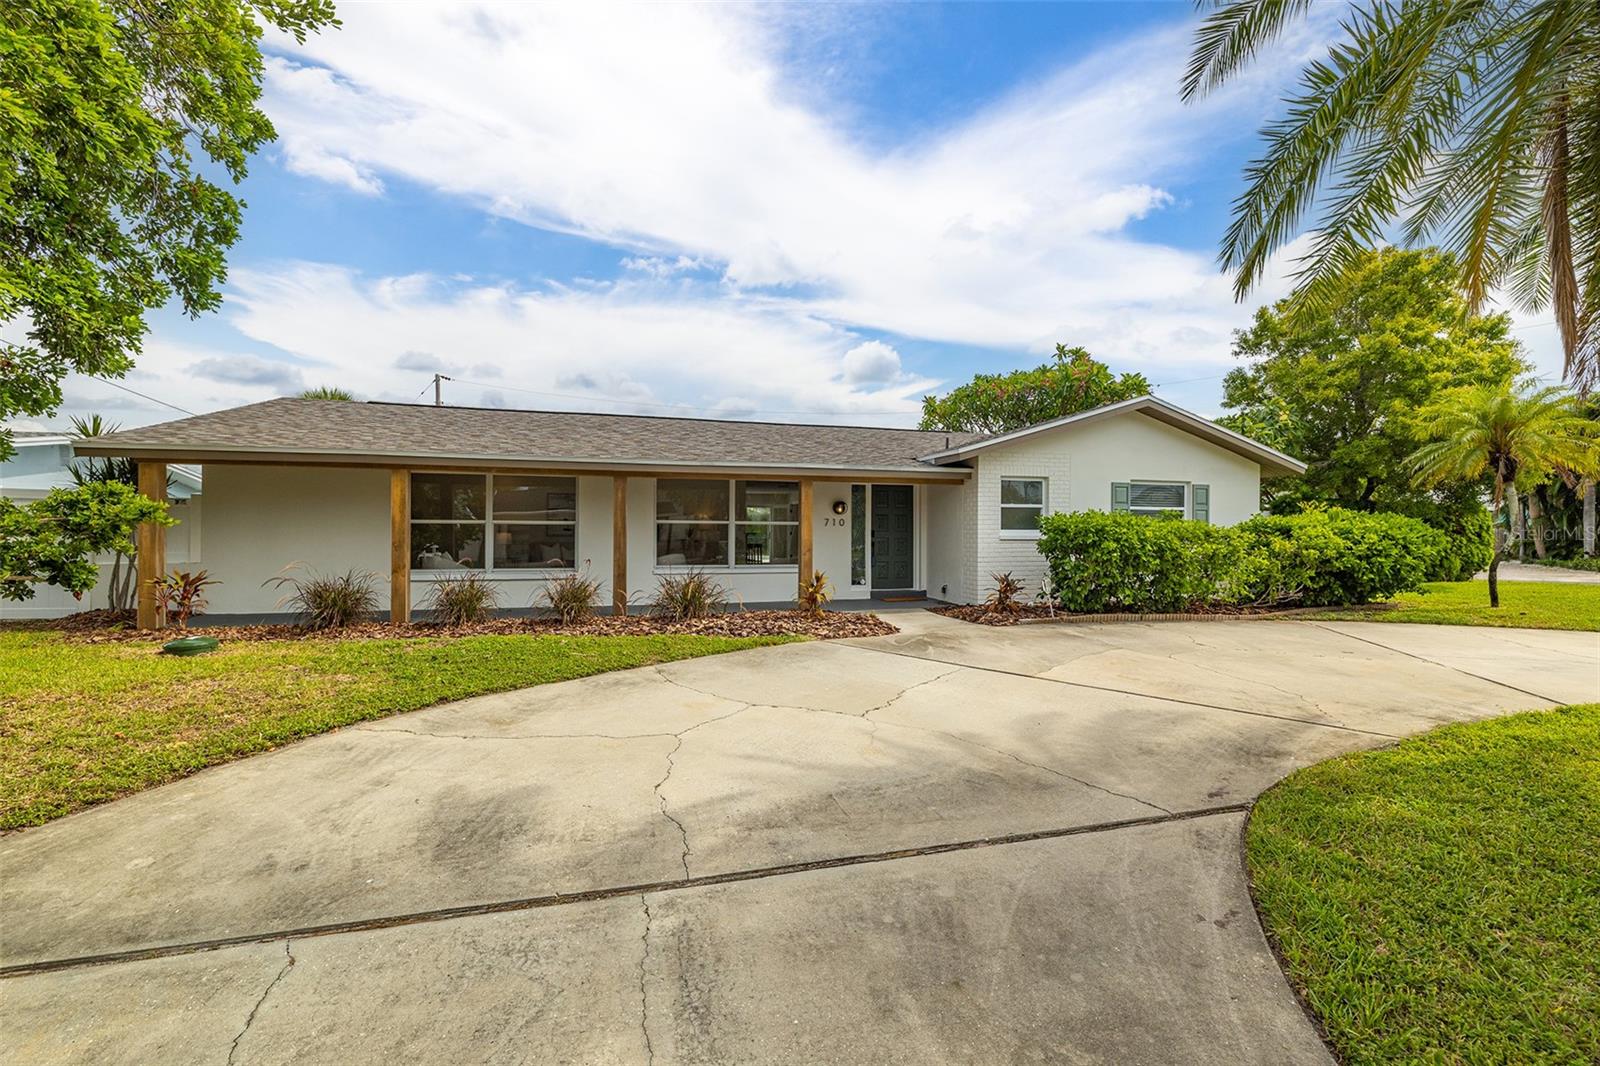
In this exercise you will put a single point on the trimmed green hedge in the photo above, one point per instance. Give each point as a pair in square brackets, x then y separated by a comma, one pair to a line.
[1103, 561]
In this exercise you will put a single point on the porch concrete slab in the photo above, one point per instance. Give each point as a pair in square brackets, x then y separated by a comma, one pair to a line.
[1130, 945]
[358, 823]
[1559, 665]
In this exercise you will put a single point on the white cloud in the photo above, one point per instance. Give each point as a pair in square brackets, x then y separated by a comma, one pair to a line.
[756, 233]
[638, 346]
[668, 131]
[872, 361]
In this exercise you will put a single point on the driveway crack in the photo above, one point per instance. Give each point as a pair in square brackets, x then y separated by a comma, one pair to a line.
[644, 995]
[662, 800]
[288, 965]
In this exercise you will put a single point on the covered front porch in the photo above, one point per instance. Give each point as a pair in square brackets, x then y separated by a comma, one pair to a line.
[755, 531]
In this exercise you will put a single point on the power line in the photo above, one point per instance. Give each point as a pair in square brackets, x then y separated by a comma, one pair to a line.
[142, 396]
[118, 385]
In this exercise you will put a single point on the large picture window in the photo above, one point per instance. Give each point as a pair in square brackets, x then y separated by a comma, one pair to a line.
[493, 522]
[727, 523]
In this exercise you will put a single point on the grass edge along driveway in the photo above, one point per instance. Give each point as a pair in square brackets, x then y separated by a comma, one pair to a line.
[1523, 604]
[1437, 901]
[81, 724]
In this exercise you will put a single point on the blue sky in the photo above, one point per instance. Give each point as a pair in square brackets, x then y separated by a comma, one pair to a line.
[815, 212]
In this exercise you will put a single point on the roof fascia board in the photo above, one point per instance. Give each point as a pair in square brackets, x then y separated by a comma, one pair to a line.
[1181, 419]
[685, 468]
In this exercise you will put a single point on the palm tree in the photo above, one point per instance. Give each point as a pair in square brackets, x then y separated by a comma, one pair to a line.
[1501, 431]
[1473, 124]
[327, 392]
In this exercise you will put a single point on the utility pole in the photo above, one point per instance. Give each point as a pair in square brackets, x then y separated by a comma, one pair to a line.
[438, 396]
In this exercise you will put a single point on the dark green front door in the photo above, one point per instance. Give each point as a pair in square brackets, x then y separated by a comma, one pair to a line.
[891, 537]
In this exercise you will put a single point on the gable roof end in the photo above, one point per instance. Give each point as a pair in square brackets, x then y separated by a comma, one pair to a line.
[1273, 462]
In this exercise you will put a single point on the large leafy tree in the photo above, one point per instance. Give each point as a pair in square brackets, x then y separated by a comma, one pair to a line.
[1473, 125]
[118, 120]
[54, 541]
[1500, 432]
[1072, 381]
[1342, 388]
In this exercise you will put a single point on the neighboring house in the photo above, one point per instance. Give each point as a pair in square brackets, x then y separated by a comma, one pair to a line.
[44, 461]
[418, 494]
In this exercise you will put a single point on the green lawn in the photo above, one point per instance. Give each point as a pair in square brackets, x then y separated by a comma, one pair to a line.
[84, 723]
[1439, 902]
[1529, 604]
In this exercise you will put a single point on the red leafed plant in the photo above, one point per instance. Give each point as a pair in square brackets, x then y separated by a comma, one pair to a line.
[181, 594]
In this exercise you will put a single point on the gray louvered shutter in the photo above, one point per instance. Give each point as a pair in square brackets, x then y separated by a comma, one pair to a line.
[1119, 495]
[1202, 503]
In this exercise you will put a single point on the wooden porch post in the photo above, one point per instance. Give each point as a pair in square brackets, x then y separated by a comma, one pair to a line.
[399, 545]
[151, 541]
[619, 545]
[806, 567]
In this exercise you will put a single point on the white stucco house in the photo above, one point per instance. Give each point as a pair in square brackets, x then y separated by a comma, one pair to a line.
[44, 461]
[417, 494]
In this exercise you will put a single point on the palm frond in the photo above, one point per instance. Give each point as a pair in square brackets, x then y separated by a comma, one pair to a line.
[1231, 36]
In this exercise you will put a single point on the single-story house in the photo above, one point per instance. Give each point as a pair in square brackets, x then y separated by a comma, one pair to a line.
[521, 497]
[44, 461]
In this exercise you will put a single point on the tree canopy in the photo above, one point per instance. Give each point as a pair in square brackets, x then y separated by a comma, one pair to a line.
[55, 540]
[1497, 431]
[327, 392]
[1472, 126]
[115, 117]
[1072, 381]
[1341, 389]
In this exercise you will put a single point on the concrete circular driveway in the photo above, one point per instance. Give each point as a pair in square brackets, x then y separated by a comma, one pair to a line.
[957, 844]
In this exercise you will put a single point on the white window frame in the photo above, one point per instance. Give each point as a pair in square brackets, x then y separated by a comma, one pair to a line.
[1043, 506]
[733, 522]
[488, 522]
[1146, 512]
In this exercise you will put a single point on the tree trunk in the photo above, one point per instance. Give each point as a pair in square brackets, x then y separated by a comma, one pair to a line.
[1499, 542]
[1514, 517]
[1589, 516]
[1537, 524]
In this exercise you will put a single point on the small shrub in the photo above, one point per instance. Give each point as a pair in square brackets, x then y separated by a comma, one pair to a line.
[327, 601]
[1002, 598]
[462, 601]
[814, 594]
[571, 597]
[692, 595]
[181, 594]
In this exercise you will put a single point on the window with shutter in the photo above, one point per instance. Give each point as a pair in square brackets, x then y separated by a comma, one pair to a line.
[1156, 498]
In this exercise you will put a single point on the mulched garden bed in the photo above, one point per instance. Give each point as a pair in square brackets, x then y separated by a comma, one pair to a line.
[100, 627]
[1035, 613]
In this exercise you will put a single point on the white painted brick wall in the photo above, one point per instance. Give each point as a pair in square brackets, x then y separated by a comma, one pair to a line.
[990, 553]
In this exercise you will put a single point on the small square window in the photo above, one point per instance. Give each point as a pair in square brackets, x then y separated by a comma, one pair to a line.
[1021, 505]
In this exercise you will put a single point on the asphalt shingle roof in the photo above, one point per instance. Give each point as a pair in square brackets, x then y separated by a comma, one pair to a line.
[418, 431]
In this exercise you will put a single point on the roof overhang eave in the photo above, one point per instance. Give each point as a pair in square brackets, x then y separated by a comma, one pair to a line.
[221, 454]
